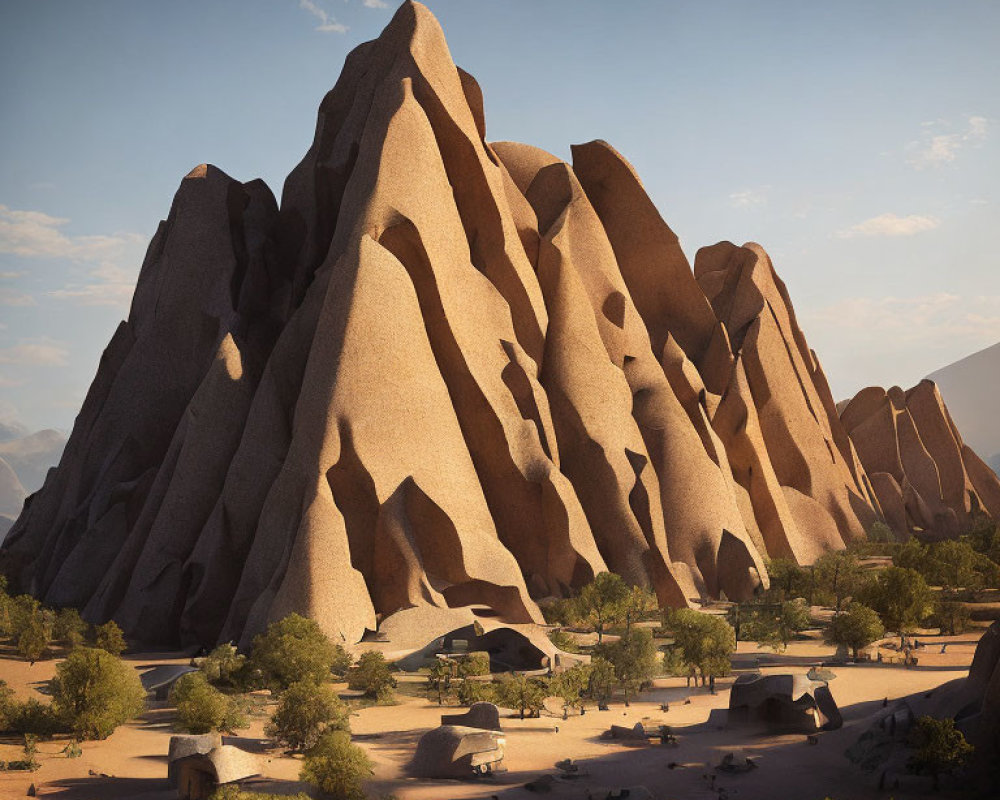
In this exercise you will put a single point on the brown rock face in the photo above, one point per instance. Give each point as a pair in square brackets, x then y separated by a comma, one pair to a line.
[926, 480]
[444, 375]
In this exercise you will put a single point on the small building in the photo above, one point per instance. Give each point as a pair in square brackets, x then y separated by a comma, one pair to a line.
[200, 774]
[184, 745]
[458, 751]
[791, 703]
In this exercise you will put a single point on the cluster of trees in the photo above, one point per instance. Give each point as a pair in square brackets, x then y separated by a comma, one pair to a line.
[604, 603]
[34, 628]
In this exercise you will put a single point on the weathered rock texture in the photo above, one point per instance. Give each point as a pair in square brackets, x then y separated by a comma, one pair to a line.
[926, 479]
[443, 374]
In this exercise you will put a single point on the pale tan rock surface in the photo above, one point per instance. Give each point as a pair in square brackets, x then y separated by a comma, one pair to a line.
[444, 380]
[927, 480]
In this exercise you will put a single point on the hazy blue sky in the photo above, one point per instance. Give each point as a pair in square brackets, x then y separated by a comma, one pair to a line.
[857, 141]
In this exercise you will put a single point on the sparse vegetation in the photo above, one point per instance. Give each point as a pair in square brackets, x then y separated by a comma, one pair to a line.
[570, 686]
[634, 657]
[901, 598]
[224, 667]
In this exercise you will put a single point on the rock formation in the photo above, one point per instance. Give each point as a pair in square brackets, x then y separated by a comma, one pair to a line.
[926, 479]
[443, 374]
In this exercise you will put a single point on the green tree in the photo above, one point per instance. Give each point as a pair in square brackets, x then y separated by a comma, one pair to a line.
[95, 692]
[601, 680]
[33, 639]
[202, 708]
[939, 748]
[69, 627]
[636, 604]
[901, 597]
[706, 641]
[951, 616]
[858, 626]
[34, 717]
[292, 650]
[372, 675]
[224, 666]
[634, 658]
[840, 574]
[439, 678]
[232, 791]
[774, 625]
[601, 601]
[525, 694]
[109, 638]
[306, 710]
[788, 579]
[570, 685]
[337, 767]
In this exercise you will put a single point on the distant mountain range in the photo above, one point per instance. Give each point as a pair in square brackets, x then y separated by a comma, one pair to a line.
[25, 458]
[971, 388]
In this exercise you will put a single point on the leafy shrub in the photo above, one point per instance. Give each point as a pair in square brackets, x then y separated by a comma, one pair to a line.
[337, 767]
[476, 663]
[305, 712]
[95, 692]
[564, 641]
[372, 675]
[202, 708]
[109, 638]
[294, 649]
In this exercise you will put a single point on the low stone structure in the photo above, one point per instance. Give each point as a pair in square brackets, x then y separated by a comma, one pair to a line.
[458, 751]
[200, 774]
[786, 702]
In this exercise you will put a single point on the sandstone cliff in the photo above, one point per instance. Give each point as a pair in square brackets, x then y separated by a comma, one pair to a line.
[443, 373]
[926, 479]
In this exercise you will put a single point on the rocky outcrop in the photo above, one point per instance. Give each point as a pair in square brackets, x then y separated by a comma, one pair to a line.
[443, 375]
[926, 479]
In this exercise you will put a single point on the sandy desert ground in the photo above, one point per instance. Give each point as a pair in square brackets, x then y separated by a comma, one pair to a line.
[132, 762]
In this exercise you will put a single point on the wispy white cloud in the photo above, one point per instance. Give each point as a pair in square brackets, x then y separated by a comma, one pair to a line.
[376, 4]
[749, 198]
[7, 382]
[890, 225]
[113, 259]
[12, 297]
[10, 276]
[40, 351]
[914, 318]
[327, 24]
[937, 149]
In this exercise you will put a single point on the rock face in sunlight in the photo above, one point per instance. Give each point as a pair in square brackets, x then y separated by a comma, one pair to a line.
[444, 374]
[926, 479]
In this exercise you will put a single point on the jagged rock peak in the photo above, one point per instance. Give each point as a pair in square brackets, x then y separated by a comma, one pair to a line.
[444, 375]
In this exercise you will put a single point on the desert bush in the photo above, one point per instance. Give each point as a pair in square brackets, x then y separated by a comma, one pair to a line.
[473, 691]
[95, 692]
[705, 641]
[33, 639]
[36, 718]
[224, 666]
[634, 657]
[337, 767]
[473, 664]
[109, 638]
[372, 675]
[294, 649]
[306, 710]
[939, 747]
[202, 708]
[69, 627]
